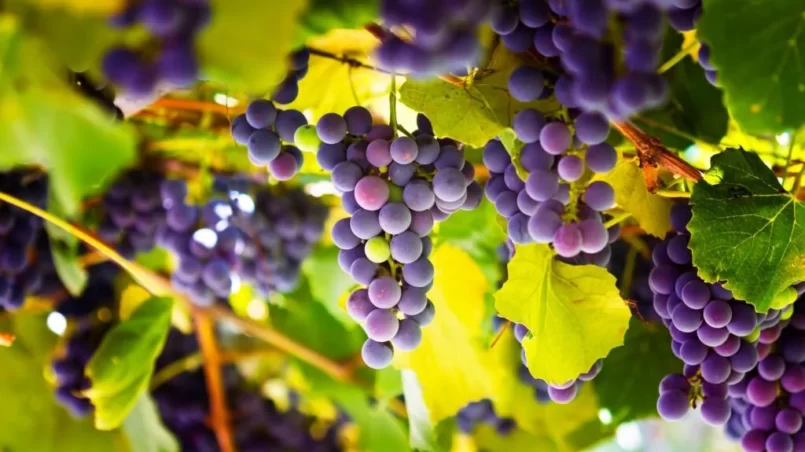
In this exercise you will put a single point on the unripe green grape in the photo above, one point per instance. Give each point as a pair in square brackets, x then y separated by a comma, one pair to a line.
[377, 250]
[306, 139]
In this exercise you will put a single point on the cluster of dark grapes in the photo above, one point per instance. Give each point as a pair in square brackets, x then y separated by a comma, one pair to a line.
[444, 37]
[683, 16]
[286, 92]
[26, 264]
[576, 31]
[132, 212]
[258, 425]
[394, 189]
[91, 317]
[263, 129]
[174, 25]
[556, 203]
[482, 412]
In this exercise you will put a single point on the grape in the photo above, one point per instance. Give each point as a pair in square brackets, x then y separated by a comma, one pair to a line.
[600, 196]
[330, 155]
[364, 224]
[377, 250]
[378, 153]
[563, 396]
[394, 218]
[343, 236]
[404, 150]
[754, 441]
[412, 301]
[287, 123]
[384, 292]
[715, 369]
[428, 150]
[306, 138]
[745, 359]
[730, 347]
[495, 156]
[673, 405]
[450, 157]
[358, 305]
[771, 368]
[512, 180]
[761, 392]
[406, 247]
[541, 185]
[525, 204]
[264, 146]
[418, 196]
[400, 175]
[358, 120]
[526, 83]
[285, 165]
[567, 241]
[788, 421]
[418, 273]
[543, 227]
[555, 138]
[449, 184]
[517, 229]
[376, 355]
[601, 158]
[570, 168]
[534, 158]
[381, 325]
[743, 320]
[363, 271]
[779, 442]
[594, 236]
[371, 193]
[693, 351]
[527, 125]
[261, 114]
[346, 175]
[793, 379]
[408, 336]
[474, 196]
[592, 128]
[715, 411]
[686, 319]
[422, 223]
[712, 337]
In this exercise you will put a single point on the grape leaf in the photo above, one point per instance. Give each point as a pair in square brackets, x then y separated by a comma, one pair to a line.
[421, 432]
[144, 428]
[651, 211]
[246, 45]
[631, 395]
[46, 123]
[122, 366]
[574, 312]
[475, 113]
[513, 398]
[324, 289]
[104, 7]
[694, 108]
[34, 421]
[767, 96]
[449, 363]
[64, 249]
[323, 16]
[744, 229]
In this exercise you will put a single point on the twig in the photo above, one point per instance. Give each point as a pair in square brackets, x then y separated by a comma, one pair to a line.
[393, 104]
[500, 333]
[193, 105]
[346, 60]
[219, 411]
[683, 52]
[672, 194]
[617, 219]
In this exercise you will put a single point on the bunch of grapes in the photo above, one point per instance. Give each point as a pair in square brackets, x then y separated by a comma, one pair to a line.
[720, 339]
[286, 92]
[183, 404]
[444, 35]
[26, 265]
[132, 213]
[205, 244]
[683, 16]
[174, 25]
[576, 32]
[394, 189]
[263, 129]
[482, 412]
[279, 234]
[555, 202]
[91, 317]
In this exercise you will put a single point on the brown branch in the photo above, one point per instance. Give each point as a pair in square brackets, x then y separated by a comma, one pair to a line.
[193, 105]
[653, 154]
[219, 410]
[349, 61]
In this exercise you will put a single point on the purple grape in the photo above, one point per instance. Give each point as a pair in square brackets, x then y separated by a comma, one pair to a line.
[408, 336]
[693, 351]
[525, 204]
[406, 247]
[359, 120]
[400, 175]
[331, 128]
[449, 157]
[526, 83]
[594, 236]
[378, 153]
[542, 185]
[533, 158]
[754, 441]
[261, 114]
[527, 125]
[544, 226]
[599, 196]
[412, 301]
[449, 184]
[712, 337]
[363, 271]
[358, 305]
[287, 123]
[555, 138]
[563, 395]
[376, 355]
[772, 367]
[517, 229]
[427, 315]
[403, 150]
[495, 156]
[284, 166]
[371, 193]
[592, 128]
[793, 379]
[394, 218]
[743, 320]
[544, 43]
[346, 175]
[601, 158]
[422, 223]
[429, 150]
[384, 293]
[364, 224]
[745, 359]
[678, 250]
[567, 241]
[342, 235]
[716, 411]
[673, 405]
[779, 442]
[761, 392]
[381, 325]
[418, 273]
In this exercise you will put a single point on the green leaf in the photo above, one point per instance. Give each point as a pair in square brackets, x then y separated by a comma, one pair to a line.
[64, 249]
[327, 282]
[322, 16]
[45, 122]
[473, 114]
[145, 430]
[40, 424]
[768, 95]
[651, 211]
[123, 364]
[694, 109]
[744, 229]
[388, 383]
[421, 432]
[451, 361]
[574, 312]
[514, 147]
[247, 44]
[631, 395]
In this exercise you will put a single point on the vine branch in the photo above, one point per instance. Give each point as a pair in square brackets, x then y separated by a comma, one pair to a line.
[219, 411]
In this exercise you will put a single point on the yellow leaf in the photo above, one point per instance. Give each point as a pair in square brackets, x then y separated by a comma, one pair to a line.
[101, 7]
[574, 312]
[132, 297]
[450, 361]
[651, 211]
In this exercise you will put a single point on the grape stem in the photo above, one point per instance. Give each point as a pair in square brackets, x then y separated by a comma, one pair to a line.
[219, 412]
[617, 219]
[393, 104]
[672, 194]
[500, 333]
[351, 62]
[652, 154]
[679, 56]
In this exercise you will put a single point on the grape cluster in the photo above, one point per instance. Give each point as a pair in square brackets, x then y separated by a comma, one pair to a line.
[132, 213]
[683, 16]
[26, 265]
[174, 25]
[258, 425]
[482, 412]
[91, 317]
[556, 202]
[394, 189]
[444, 35]
[286, 92]
[576, 32]
[263, 129]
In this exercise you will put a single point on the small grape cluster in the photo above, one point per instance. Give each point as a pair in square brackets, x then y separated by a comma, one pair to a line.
[132, 212]
[26, 265]
[288, 89]
[184, 405]
[263, 129]
[174, 25]
[394, 189]
[91, 317]
[556, 202]
[483, 412]
[575, 32]
[683, 16]
[444, 35]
